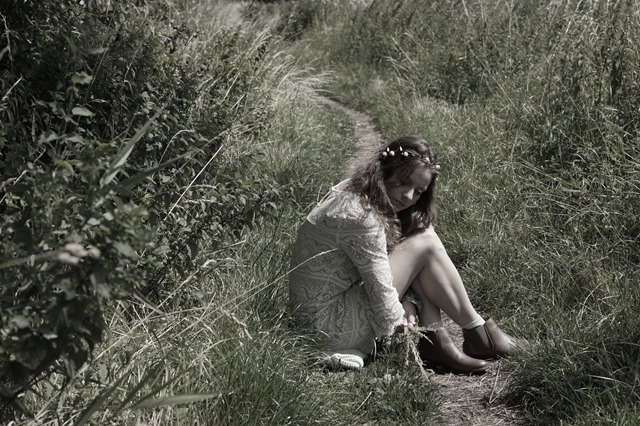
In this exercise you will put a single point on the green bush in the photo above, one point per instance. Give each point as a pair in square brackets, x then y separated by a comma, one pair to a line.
[108, 132]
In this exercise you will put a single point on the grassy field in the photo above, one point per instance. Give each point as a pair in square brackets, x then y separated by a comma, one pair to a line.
[532, 108]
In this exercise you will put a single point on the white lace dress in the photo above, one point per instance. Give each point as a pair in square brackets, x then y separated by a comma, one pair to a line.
[340, 284]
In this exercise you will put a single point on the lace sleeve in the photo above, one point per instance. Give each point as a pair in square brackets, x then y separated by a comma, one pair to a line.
[364, 242]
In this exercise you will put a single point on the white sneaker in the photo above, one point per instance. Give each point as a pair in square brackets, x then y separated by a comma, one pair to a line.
[350, 359]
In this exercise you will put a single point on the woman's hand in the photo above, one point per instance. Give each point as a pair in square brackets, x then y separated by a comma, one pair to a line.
[410, 317]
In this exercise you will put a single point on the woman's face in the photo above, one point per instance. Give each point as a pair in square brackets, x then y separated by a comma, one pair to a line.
[405, 193]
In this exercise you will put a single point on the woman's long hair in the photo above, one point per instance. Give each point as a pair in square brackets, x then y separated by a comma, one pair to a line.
[397, 161]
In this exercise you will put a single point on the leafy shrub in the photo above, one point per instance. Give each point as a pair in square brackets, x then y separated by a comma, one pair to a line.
[107, 136]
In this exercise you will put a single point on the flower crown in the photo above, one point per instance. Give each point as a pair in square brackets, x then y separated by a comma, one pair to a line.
[387, 153]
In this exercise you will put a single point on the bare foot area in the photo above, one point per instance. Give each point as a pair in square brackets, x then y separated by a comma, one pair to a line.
[466, 400]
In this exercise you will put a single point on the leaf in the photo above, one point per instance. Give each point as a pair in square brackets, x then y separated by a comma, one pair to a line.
[174, 400]
[99, 283]
[96, 50]
[143, 174]
[74, 138]
[3, 51]
[125, 249]
[121, 158]
[192, 248]
[31, 353]
[48, 136]
[64, 164]
[72, 45]
[20, 321]
[81, 78]
[103, 290]
[81, 111]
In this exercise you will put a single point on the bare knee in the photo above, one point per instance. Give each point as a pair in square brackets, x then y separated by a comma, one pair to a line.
[410, 257]
[426, 243]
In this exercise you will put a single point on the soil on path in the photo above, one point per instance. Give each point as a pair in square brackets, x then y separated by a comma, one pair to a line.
[465, 400]
[367, 138]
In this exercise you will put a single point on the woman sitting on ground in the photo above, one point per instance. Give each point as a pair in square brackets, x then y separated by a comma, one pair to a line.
[367, 262]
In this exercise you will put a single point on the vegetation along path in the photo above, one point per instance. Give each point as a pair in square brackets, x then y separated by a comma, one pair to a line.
[468, 400]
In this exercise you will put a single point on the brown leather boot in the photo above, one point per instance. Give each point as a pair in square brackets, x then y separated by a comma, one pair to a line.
[436, 347]
[487, 341]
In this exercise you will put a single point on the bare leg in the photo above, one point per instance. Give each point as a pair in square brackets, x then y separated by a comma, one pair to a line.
[422, 261]
[430, 313]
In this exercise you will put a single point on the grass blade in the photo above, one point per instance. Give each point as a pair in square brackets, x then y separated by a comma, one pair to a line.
[98, 402]
[174, 400]
[121, 158]
[140, 176]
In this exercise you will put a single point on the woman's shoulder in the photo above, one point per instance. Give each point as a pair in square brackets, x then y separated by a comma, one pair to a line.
[343, 208]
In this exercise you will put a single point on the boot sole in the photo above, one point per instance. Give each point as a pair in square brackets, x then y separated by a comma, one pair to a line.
[439, 368]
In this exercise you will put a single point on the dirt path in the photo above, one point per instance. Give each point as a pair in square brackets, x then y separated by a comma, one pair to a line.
[473, 400]
[367, 138]
[466, 400]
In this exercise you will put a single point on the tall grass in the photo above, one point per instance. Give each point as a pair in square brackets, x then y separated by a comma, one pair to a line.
[216, 345]
[531, 108]
[222, 351]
